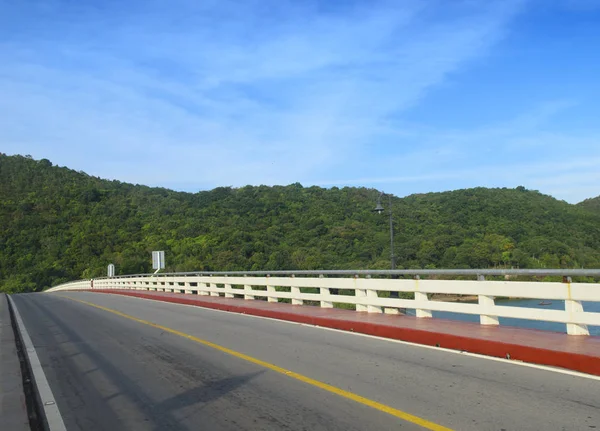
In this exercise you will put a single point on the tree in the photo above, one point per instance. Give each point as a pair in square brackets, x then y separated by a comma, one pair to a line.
[58, 225]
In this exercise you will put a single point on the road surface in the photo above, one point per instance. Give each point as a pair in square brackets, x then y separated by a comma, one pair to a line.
[136, 364]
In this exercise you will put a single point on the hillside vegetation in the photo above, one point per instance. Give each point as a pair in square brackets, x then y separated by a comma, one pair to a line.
[57, 224]
[592, 204]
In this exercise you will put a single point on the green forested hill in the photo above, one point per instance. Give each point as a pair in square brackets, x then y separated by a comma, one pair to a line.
[57, 224]
[592, 204]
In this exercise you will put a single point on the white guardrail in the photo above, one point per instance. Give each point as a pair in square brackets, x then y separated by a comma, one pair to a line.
[366, 292]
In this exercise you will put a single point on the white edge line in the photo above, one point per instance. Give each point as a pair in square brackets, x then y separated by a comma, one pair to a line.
[47, 400]
[390, 340]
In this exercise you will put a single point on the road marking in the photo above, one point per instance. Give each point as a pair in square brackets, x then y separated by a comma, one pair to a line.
[329, 388]
[48, 402]
[389, 340]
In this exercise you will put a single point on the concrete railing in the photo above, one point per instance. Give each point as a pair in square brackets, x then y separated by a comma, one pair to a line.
[371, 295]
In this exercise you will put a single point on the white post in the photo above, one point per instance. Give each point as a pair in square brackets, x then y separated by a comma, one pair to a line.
[372, 294]
[213, 286]
[572, 306]
[422, 312]
[486, 305]
[228, 294]
[295, 290]
[248, 290]
[272, 290]
[324, 292]
[202, 289]
[391, 310]
[421, 297]
[361, 293]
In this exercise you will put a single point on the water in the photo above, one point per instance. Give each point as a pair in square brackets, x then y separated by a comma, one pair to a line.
[524, 323]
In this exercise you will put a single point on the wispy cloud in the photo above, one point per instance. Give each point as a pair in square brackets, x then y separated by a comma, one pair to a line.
[523, 151]
[195, 95]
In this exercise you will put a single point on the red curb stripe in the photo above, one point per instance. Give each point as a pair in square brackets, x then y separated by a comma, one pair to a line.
[570, 360]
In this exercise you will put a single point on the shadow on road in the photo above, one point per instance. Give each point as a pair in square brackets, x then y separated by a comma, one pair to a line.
[206, 393]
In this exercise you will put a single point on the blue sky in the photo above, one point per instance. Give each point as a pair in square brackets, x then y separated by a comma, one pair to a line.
[403, 96]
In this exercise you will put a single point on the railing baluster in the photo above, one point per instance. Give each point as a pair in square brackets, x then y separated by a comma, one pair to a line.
[271, 289]
[487, 304]
[372, 294]
[228, 287]
[247, 289]
[295, 290]
[571, 307]
[325, 293]
[361, 295]
[421, 297]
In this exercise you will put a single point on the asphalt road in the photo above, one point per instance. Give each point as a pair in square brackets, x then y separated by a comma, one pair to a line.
[109, 372]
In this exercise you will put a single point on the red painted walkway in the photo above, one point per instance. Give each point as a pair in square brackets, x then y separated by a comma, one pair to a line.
[580, 353]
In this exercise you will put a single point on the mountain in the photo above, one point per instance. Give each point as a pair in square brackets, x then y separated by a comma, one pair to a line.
[592, 204]
[57, 224]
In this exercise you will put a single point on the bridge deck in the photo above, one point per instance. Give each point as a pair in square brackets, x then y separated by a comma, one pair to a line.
[580, 353]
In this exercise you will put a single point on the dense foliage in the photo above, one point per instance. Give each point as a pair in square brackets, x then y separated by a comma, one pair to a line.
[57, 225]
[592, 204]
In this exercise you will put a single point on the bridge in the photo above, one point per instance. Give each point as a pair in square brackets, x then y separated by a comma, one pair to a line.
[350, 350]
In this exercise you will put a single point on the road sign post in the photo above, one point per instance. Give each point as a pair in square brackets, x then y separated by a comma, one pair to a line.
[158, 260]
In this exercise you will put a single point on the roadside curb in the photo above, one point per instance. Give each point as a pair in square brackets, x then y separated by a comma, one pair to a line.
[46, 405]
[570, 360]
[14, 404]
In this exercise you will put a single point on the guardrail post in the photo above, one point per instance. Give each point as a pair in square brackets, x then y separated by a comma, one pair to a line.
[213, 287]
[202, 288]
[271, 289]
[572, 306]
[486, 305]
[393, 295]
[324, 292]
[421, 297]
[248, 290]
[372, 294]
[187, 287]
[361, 295]
[228, 287]
[295, 290]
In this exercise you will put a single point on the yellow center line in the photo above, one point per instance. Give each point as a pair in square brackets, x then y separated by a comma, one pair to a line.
[329, 388]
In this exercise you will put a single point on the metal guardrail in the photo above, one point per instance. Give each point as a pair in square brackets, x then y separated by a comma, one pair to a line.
[379, 272]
